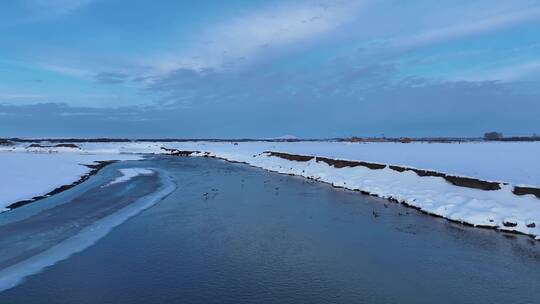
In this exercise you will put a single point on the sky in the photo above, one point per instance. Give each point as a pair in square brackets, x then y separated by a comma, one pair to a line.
[263, 69]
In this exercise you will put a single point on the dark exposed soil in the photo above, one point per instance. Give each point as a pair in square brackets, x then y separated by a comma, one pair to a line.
[526, 190]
[331, 162]
[177, 152]
[63, 145]
[74, 146]
[509, 224]
[472, 183]
[293, 157]
[347, 163]
[460, 181]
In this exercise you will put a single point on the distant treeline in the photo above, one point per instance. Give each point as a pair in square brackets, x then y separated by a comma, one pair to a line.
[517, 138]
[490, 136]
[497, 136]
[116, 140]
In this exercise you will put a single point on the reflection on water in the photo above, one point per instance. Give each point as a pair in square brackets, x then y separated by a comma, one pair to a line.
[234, 234]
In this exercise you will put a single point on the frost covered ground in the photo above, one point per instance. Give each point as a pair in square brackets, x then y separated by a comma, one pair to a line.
[129, 173]
[509, 163]
[516, 163]
[25, 175]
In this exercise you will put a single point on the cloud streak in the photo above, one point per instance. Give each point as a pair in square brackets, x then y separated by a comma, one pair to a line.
[466, 29]
[12, 97]
[65, 70]
[111, 78]
[245, 37]
[517, 72]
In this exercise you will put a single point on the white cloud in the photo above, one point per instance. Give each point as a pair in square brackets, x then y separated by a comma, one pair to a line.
[69, 71]
[247, 35]
[515, 72]
[466, 28]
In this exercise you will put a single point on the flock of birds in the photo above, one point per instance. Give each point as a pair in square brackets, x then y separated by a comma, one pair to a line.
[213, 192]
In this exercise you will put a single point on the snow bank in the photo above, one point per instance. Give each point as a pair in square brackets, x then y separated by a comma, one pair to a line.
[499, 209]
[27, 175]
[516, 163]
[129, 173]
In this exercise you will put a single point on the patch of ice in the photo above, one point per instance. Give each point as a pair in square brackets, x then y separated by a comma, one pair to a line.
[129, 173]
[15, 274]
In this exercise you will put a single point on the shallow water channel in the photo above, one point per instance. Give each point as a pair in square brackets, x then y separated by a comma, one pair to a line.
[203, 230]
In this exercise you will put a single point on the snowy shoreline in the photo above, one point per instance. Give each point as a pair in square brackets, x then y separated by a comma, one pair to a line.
[495, 209]
[27, 177]
[481, 184]
[94, 169]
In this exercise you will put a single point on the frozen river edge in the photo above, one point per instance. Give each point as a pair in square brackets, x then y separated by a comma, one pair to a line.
[464, 200]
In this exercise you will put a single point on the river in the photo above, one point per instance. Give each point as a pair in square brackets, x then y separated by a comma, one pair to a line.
[204, 230]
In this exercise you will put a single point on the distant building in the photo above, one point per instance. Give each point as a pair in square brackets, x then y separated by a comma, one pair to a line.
[405, 140]
[493, 136]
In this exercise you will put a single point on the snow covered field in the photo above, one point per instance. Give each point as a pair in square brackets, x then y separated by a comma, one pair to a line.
[24, 175]
[510, 163]
[517, 163]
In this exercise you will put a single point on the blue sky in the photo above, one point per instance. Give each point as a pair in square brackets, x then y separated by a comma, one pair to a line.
[248, 68]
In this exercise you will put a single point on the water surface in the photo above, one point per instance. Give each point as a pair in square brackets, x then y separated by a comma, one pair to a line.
[231, 233]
